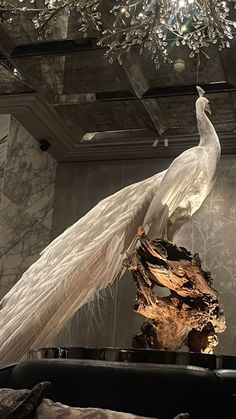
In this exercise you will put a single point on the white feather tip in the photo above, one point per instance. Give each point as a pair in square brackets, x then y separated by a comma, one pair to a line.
[201, 92]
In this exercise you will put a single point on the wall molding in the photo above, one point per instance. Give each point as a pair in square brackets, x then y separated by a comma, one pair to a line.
[41, 120]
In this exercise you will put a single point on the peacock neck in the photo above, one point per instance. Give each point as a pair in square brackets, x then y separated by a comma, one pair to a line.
[208, 136]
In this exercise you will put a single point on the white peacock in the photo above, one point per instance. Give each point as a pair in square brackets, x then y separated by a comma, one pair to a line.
[88, 256]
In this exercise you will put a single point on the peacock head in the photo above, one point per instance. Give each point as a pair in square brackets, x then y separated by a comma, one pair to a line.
[202, 102]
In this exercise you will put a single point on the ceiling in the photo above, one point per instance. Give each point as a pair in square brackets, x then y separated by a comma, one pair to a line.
[63, 90]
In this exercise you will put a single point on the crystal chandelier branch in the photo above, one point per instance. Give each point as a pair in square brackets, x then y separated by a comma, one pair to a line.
[87, 10]
[158, 25]
[155, 25]
[51, 10]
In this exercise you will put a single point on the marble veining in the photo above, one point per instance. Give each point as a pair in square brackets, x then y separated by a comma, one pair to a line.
[3, 148]
[4, 131]
[212, 234]
[26, 206]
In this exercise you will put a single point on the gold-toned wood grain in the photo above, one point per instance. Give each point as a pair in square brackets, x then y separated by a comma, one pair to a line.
[190, 315]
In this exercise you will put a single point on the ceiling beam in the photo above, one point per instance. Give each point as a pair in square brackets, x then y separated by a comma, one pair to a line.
[166, 91]
[130, 70]
[44, 48]
[188, 90]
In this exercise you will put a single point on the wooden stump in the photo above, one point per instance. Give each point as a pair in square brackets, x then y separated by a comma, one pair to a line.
[190, 315]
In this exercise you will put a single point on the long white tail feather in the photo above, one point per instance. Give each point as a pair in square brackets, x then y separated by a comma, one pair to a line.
[72, 270]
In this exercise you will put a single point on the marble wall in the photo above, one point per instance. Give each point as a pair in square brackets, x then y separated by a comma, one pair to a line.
[4, 131]
[26, 204]
[212, 233]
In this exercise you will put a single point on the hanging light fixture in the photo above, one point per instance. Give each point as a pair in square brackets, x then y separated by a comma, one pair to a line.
[154, 25]
[51, 10]
[160, 25]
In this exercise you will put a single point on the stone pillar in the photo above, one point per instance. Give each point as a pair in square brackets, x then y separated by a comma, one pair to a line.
[26, 206]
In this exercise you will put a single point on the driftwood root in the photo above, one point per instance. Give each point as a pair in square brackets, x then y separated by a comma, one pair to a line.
[190, 315]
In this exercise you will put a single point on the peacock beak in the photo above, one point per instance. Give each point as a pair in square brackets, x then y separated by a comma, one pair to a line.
[207, 108]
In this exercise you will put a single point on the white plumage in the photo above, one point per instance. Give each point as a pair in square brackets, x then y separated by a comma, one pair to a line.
[188, 180]
[88, 256]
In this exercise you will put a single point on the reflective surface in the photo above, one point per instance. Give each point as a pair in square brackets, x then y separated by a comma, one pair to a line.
[136, 355]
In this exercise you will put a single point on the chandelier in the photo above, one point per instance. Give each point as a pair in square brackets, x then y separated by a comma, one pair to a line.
[154, 25]
[160, 25]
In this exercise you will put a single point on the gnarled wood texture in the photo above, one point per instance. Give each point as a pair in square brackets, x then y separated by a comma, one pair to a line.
[191, 314]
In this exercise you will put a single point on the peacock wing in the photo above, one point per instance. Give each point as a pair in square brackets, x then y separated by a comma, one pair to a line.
[180, 182]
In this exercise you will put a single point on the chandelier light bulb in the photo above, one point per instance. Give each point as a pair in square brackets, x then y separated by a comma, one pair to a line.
[179, 65]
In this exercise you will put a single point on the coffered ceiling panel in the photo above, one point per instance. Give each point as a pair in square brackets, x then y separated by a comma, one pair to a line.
[104, 116]
[62, 88]
[180, 112]
[197, 70]
[89, 72]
